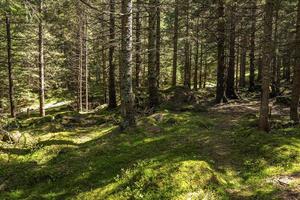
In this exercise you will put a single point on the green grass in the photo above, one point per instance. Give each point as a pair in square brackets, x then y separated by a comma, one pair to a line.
[182, 156]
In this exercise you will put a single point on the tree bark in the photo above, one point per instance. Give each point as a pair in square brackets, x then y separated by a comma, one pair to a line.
[275, 87]
[112, 101]
[243, 59]
[80, 64]
[9, 66]
[187, 48]
[230, 89]
[41, 61]
[158, 41]
[197, 58]
[152, 71]
[175, 43]
[220, 93]
[86, 63]
[138, 46]
[127, 95]
[296, 78]
[264, 123]
[252, 47]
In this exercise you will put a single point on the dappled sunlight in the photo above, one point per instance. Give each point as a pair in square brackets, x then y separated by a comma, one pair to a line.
[189, 155]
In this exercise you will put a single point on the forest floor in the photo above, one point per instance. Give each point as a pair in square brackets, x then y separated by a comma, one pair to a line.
[214, 153]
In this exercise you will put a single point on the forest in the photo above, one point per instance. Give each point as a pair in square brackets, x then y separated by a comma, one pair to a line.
[150, 99]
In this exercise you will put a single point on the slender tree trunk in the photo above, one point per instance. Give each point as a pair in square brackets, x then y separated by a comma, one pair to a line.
[158, 41]
[230, 89]
[41, 61]
[201, 78]
[104, 75]
[252, 47]
[296, 79]
[152, 72]
[127, 95]
[220, 93]
[243, 59]
[175, 43]
[264, 123]
[9, 66]
[197, 58]
[138, 46]
[86, 63]
[237, 63]
[112, 101]
[187, 48]
[80, 63]
[260, 66]
[275, 87]
[205, 71]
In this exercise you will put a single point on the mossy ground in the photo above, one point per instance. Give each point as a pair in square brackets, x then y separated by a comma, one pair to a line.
[170, 155]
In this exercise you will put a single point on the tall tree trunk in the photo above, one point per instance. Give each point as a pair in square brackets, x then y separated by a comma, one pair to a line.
[158, 41]
[175, 43]
[237, 63]
[296, 79]
[41, 61]
[260, 66]
[243, 59]
[275, 87]
[264, 123]
[138, 46]
[112, 101]
[220, 93]
[201, 76]
[252, 47]
[230, 89]
[9, 66]
[86, 63]
[152, 72]
[127, 95]
[80, 63]
[104, 75]
[205, 71]
[187, 48]
[197, 58]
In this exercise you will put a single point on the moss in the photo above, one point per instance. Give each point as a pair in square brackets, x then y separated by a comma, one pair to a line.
[198, 156]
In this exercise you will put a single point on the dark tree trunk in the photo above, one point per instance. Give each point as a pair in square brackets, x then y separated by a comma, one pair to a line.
[112, 101]
[127, 95]
[152, 72]
[86, 63]
[243, 59]
[158, 41]
[220, 93]
[175, 44]
[296, 79]
[9, 66]
[197, 59]
[252, 47]
[237, 63]
[259, 65]
[275, 88]
[264, 123]
[41, 61]
[187, 49]
[230, 89]
[205, 71]
[80, 63]
[138, 46]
